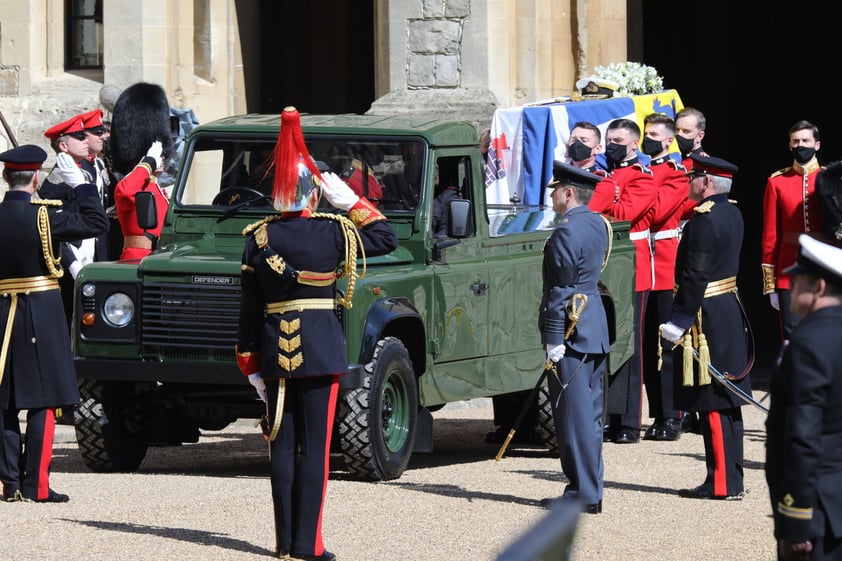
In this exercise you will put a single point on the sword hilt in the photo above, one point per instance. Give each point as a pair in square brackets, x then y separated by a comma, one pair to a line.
[575, 307]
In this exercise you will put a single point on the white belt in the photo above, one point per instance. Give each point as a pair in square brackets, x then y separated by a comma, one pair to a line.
[666, 234]
[642, 235]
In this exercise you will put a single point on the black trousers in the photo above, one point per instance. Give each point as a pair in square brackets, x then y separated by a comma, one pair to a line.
[25, 458]
[299, 460]
[722, 433]
[659, 383]
[788, 319]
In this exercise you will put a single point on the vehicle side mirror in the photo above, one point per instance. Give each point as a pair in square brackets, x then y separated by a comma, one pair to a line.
[146, 209]
[460, 219]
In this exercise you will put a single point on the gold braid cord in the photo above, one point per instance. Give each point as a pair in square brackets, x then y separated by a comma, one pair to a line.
[610, 245]
[695, 339]
[53, 263]
[353, 245]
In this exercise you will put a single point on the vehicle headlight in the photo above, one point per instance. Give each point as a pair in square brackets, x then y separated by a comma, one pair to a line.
[118, 309]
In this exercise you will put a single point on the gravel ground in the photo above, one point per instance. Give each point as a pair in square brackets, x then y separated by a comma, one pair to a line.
[211, 501]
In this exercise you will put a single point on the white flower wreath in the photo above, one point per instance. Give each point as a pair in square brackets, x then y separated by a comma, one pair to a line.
[633, 78]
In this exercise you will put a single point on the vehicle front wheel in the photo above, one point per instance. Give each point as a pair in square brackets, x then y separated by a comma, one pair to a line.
[378, 422]
[108, 433]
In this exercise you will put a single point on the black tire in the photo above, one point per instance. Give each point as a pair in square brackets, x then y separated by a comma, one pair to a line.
[377, 423]
[545, 420]
[109, 438]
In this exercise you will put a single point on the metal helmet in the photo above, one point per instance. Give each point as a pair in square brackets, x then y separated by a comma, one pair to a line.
[296, 173]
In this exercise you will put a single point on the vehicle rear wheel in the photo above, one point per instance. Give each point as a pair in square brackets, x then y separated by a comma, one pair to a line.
[108, 434]
[378, 422]
[545, 420]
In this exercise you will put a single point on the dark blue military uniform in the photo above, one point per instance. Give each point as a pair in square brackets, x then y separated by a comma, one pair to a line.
[707, 303]
[804, 426]
[288, 323]
[36, 369]
[573, 258]
[54, 188]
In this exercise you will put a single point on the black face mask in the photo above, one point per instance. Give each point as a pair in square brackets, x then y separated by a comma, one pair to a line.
[803, 154]
[652, 147]
[579, 151]
[685, 145]
[615, 153]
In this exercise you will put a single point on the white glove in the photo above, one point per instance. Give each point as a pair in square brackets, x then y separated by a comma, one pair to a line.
[74, 268]
[671, 332]
[68, 170]
[337, 192]
[556, 352]
[775, 300]
[155, 152]
[258, 383]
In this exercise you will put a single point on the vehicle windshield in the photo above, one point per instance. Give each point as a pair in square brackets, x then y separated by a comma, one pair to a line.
[226, 171]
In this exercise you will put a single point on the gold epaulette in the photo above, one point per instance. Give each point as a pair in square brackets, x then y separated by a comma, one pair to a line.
[732, 201]
[781, 171]
[46, 202]
[252, 227]
[704, 208]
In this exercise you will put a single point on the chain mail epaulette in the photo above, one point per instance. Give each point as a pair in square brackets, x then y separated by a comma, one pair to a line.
[46, 202]
[252, 227]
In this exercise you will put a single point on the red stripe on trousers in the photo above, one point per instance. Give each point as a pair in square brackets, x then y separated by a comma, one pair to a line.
[331, 409]
[717, 444]
[46, 454]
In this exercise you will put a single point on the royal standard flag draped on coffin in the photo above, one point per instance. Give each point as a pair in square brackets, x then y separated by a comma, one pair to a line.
[525, 140]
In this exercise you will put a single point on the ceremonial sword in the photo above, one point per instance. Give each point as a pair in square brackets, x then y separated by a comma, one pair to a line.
[731, 386]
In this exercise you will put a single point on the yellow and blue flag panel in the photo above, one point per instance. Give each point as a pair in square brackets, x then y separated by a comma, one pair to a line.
[525, 140]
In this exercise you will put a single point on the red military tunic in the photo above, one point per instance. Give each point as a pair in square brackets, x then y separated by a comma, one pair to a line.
[673, 188]
[135, 244]
[629, 193]
[789, 209]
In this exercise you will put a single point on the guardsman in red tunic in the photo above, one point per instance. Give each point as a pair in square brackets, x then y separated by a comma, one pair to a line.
[137, 242]
[632, 198]
[291, 344]
[36, 366]
[789, 209]
[673, 191]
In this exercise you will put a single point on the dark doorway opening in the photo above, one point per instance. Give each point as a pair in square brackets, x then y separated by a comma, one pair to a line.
[316, 55]
[753, 72]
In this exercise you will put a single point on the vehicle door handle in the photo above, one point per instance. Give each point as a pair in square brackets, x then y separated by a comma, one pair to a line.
[479, 288]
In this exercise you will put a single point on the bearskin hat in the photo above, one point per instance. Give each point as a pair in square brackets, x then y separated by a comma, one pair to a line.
[829, 195]
[141, 116]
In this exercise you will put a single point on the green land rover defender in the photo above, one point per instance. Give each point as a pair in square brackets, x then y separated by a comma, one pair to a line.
[450, 315]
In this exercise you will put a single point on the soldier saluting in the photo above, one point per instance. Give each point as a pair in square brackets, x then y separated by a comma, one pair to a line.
[291, 343]
[36, 367]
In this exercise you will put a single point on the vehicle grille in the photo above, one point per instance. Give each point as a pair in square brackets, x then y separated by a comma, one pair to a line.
[189, 321]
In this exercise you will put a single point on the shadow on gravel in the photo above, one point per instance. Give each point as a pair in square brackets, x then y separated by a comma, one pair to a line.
[456, 492]
[183, 534]
[229, 455]
[700, 457]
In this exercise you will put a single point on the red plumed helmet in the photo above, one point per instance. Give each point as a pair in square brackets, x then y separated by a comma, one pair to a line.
[296, 173]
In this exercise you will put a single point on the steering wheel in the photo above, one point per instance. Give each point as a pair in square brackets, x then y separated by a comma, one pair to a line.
[235, 195]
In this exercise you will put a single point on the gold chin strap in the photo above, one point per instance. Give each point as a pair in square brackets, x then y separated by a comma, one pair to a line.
[279, 410]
